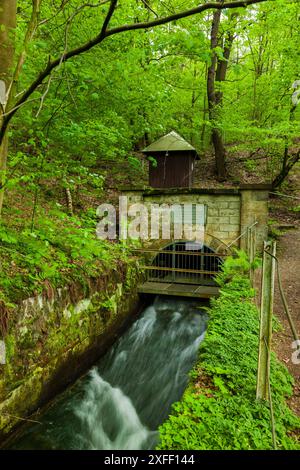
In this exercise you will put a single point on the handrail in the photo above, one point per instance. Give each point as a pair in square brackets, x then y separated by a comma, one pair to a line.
[179, 270]
[242, 234]
[284, 195]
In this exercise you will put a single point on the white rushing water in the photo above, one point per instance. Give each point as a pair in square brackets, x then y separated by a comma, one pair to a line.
[123, 428]
[121, 402]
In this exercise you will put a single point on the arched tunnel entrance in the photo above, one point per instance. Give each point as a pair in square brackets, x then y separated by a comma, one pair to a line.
[185, 262]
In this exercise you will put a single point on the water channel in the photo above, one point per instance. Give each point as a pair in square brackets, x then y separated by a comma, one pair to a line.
[122, 400]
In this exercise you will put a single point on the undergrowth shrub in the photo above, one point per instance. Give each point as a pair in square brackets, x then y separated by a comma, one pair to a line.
[59, 250]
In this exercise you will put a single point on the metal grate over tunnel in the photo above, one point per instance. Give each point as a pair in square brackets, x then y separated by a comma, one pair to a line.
[182, 268]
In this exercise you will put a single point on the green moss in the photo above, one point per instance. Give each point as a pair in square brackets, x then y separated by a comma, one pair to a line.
[10, 345]
[45, 328]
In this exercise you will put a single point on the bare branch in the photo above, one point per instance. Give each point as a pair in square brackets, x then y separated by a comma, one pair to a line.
[47, 20]
[63, 5]
[113, 5]
[32, 25]
[149, 8]
[44, 96]
[184, 14]
[12, 111]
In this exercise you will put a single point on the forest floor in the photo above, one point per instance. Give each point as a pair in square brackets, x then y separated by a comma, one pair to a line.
[284, 226]
[288, 253]
[289, 265]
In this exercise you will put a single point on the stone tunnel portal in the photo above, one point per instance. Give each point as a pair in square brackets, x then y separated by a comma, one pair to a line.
[186, 262]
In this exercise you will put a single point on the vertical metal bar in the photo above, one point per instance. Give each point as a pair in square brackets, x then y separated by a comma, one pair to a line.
[202, 266]
[185, 265]
[252, 252]
[185, 262]
[152, 272]
[248, 241]
[254, 240]
[194, 264]
[147, 272]
[266, 311]
[173, 275]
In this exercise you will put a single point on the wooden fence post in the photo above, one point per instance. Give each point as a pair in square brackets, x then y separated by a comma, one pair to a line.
[266, 312]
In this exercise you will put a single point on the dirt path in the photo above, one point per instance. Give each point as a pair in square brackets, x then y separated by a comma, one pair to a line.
[289, 264]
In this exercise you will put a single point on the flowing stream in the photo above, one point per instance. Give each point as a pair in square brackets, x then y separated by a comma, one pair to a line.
[120, 403]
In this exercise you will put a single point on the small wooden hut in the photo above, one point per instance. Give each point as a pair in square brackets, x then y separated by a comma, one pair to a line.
[171, 162]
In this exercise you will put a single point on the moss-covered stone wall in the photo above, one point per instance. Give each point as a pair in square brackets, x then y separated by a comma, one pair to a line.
[53, 338]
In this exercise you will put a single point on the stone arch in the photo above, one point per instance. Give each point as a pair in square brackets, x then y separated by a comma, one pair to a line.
[176, 261]
[210, 241]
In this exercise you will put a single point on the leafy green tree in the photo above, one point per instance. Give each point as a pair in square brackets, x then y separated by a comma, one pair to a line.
[78, 33]
[7, 26]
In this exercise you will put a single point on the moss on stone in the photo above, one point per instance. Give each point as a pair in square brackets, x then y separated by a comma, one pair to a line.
[49, 335]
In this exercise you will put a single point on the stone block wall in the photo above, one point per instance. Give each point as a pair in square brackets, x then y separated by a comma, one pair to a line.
[229, 211]
[223, 212]
[254, 208]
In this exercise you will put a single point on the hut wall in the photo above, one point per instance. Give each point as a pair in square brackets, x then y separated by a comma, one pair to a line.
[172, 171]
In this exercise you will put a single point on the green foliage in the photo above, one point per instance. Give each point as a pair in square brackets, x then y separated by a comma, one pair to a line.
[250, 165]
[234, 270]
[102, 105]
[218, 410]
[274, 232]
[10, 346]
[153, 161]
[61, 249]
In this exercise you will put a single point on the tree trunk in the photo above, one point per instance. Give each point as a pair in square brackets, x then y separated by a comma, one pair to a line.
[8, 13]
[222, 65]
[218, 144]
[288, 161]
[212, 100]
[205, 108]
[217, 73]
